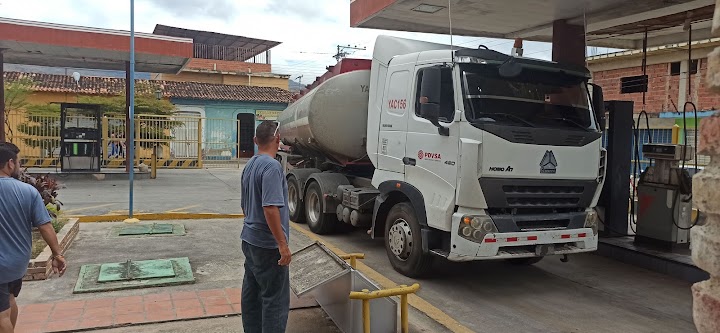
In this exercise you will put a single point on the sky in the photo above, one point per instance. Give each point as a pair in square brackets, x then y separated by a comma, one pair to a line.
[309, 30]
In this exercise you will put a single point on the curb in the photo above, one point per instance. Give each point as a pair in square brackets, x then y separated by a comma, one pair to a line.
[156, 217]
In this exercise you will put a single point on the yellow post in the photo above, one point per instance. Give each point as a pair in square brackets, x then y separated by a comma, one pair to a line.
[402, 291]
[153, 167]
[199, 146]
[366, 315]
[105, 128]
[353, 258]
[404, 313]
[676, 134]
[138, 139]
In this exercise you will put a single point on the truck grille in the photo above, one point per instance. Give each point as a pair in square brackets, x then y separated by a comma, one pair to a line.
[543, 196]
[537, 193]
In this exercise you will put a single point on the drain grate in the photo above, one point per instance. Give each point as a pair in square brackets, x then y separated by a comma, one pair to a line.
[148, 230]
[148, 269]
[134, 274]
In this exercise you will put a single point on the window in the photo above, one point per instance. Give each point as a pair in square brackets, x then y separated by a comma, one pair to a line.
[633, 84]
[675, 68]
[447, 95]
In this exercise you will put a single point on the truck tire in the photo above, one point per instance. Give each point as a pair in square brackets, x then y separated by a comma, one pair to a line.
[525, 261]
[318, 222]
[296, 207]
[403, 243]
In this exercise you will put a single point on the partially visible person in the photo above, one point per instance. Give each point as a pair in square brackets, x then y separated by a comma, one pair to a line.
[265, 236]
[21, 209]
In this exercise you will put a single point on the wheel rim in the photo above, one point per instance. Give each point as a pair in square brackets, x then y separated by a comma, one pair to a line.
[400, 239]
[313, 207]
[293, 202]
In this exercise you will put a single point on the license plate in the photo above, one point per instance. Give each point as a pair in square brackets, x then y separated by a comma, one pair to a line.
[544, 249]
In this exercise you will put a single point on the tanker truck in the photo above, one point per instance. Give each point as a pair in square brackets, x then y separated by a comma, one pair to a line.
[446, 152]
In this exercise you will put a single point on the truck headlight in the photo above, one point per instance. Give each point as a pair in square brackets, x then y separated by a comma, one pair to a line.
[475, 228]
[591, 221]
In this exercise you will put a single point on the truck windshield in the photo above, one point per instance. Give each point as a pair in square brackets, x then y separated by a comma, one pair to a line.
[533, 99]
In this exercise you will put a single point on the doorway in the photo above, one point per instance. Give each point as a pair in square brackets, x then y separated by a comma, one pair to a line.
[246, 134]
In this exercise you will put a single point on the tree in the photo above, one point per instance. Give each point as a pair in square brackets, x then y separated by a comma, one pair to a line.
[16, 94]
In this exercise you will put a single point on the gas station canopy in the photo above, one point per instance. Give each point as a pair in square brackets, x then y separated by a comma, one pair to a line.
[56, 45]
[610, 23]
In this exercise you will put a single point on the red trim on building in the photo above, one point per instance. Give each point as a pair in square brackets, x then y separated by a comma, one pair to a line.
[362, 10]
[93, 40]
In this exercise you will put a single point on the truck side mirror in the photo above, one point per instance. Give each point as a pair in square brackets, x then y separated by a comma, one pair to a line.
[598, 105]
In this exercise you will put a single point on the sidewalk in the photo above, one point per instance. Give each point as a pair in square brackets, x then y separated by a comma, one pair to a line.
[132, 310]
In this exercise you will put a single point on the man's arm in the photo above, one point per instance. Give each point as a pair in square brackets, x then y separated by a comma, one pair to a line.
[48, 234]
[41, 219]
[272, 199]
[272, 216]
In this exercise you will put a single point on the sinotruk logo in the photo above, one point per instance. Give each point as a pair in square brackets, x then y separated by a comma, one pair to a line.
[548, 163]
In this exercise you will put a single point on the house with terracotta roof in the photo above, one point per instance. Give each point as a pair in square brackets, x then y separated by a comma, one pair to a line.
[229, 113]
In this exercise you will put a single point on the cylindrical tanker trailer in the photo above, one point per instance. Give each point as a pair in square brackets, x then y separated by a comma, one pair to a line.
[331, 120]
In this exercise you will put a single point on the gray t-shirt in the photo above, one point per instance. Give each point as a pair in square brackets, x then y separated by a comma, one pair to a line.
[21, 209]
[263, 185]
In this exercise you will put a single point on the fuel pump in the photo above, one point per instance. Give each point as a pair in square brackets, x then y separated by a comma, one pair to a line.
[664, 197]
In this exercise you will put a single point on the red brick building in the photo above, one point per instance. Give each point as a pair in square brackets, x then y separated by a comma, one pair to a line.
[668, 71]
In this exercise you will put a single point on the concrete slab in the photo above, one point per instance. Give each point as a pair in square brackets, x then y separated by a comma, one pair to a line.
[179, 191]
[588, 294]
[213, 247]
[300, 321]
[147, 274]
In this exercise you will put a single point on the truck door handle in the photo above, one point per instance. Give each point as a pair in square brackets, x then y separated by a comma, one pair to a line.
[409, 161]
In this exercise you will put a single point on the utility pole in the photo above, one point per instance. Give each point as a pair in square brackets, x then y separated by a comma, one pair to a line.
[342, 51]
[299, 78]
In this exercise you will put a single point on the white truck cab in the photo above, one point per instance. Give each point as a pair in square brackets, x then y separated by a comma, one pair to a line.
[472, 155]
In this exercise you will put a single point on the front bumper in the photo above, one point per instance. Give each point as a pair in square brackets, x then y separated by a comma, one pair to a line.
[524, 244]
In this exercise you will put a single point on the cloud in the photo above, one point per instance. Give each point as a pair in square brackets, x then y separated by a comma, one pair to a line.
[307, 10]
[219, 9]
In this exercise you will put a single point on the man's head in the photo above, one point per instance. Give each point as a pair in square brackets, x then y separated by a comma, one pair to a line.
[9, 161]
[266, 136]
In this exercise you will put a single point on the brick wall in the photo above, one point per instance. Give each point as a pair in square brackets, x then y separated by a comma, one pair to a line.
[663, 88]
[227, 66]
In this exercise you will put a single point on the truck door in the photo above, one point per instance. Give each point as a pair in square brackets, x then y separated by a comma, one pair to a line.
[432, 159]
[393, 121]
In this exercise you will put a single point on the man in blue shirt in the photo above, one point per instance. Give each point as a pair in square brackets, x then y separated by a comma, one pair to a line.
[265, 236]
[21, 209]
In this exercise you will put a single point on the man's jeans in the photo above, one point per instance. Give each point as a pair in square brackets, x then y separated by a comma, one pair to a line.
[265, 291]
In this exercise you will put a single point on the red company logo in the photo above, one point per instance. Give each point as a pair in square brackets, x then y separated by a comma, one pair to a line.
[432, 156]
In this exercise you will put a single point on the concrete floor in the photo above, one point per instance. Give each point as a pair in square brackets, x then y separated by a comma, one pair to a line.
[301, 321]
[213, 247]
[588, 294]
[192, 190]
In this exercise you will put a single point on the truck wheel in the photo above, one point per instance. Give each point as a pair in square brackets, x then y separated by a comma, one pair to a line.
[525, 261]
[318, 222]
[295, 204]
[403, 243]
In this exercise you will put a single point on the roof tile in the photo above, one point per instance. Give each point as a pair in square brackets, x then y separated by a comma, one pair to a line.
[94, 85]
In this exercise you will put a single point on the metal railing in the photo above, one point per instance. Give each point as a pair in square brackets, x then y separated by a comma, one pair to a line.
[180, 141]
[219, 52]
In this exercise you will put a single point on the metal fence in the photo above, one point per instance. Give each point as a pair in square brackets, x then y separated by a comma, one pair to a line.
[219, 52]
[180, 141]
